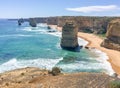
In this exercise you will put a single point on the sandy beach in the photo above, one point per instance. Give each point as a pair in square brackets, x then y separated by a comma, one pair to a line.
[95, 41]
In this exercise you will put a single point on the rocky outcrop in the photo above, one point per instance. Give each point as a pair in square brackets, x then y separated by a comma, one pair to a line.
[69, 39]
[38, 78]
[32, 22]
[20, 21]
[113, 35]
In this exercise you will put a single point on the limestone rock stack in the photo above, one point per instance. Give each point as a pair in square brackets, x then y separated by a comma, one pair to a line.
[69, 39]
[32, 22]
[113, 35]
[20, 21]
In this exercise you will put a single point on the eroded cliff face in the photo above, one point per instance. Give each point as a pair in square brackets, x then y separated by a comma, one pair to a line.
[113, 35]
[97, 25]
[86, 24]
[69, 39]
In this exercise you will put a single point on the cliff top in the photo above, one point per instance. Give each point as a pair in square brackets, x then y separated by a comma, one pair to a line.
[37, 78]
[116, 20]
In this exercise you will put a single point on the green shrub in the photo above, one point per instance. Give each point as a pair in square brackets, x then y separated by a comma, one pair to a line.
[114, 84]
[22, 74]
[55, 71]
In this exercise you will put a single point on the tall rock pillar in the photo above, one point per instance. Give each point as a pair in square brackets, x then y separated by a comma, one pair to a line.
[69, 40]
[32, 22]
[20, 21]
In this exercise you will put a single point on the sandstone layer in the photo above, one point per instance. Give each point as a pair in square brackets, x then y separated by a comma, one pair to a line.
[69, 38]
[97, 25]
[113, 35]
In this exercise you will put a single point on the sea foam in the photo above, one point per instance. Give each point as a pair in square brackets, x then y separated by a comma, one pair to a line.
[16, 35]
[40, 62]
[103, 59]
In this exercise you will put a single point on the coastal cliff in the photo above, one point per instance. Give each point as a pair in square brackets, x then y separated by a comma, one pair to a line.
[89, 24]
[38, 78]
[113, 35]
[97, 25]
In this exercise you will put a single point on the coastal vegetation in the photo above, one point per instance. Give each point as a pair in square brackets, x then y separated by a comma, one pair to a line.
[114, 84]
[55, 71]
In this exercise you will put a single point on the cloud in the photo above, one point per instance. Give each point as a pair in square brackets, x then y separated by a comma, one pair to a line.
[98, 8]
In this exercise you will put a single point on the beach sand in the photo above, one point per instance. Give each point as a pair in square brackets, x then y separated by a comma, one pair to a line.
[95, 41]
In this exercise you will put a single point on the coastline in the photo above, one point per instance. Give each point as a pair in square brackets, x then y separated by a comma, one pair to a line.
[94, 42]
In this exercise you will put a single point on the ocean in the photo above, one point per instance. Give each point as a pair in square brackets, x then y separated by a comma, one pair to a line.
[25, 46]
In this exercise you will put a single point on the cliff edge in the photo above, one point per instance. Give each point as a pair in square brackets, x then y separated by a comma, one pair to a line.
[37, 78]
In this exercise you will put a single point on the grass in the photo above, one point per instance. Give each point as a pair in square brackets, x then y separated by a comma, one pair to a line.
[103, 36]
[114, 84]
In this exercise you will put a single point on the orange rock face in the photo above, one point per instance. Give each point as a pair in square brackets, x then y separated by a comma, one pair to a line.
[69, 36]
[114, 28]
[113, 35]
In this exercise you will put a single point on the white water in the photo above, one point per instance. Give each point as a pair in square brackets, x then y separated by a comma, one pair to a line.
[40, 62]
[102, 58]
[16, 35]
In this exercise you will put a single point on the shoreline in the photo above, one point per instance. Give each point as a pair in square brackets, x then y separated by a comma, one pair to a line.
[94, 42]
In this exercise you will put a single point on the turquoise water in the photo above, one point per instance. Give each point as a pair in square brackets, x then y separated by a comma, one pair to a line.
[24, 46]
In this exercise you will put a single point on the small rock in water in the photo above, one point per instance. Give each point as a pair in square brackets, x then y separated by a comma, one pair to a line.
[86, 47]
[48, 27]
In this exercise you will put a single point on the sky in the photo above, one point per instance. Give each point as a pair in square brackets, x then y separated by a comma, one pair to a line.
[46, 8]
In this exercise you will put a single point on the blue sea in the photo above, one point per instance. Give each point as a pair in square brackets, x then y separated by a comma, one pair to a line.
[25, 46]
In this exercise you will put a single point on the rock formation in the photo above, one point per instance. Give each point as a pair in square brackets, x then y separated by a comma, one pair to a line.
[40, 78]
[69, 39]
[32, 22]
[20, 21]
[88, 24]
[113, 35]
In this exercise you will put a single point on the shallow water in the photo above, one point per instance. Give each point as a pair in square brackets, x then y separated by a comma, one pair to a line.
[36, 47]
